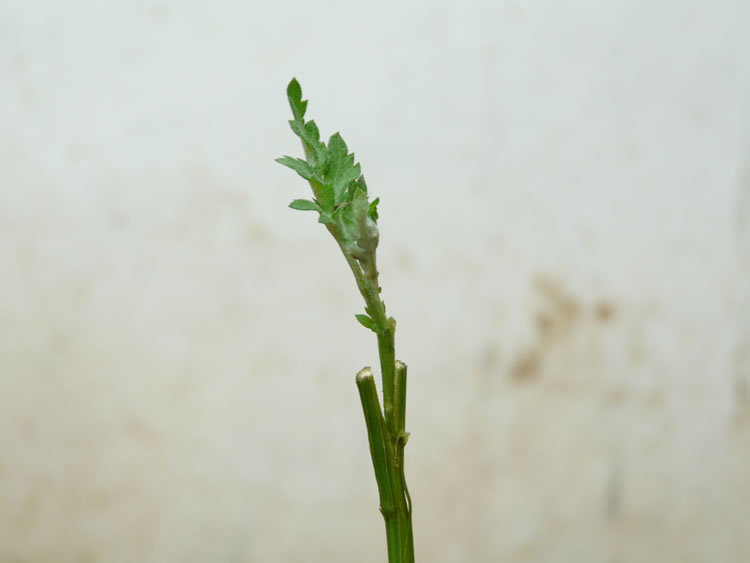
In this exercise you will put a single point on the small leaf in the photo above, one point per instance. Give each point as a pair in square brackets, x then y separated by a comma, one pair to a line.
[323, 194]
[341, 170]
[361, 184]
[304, 205]
[308, 132]
[365, 321]
[372, 212]
[312, 130]
[337, 147]
[344, 178]
[298, 165]
[326, 219]
[299, 129]
[298, 105]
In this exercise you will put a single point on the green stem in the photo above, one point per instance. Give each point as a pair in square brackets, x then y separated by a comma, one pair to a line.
[382, 460]
[402, 436]
[387, 354]
[367, 283]
[386, 428]
[351, 219]
[387, 460]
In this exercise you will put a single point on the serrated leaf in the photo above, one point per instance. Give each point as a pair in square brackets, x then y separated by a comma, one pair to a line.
[312, 131]
[365, 321]
[304, 205]
[297, 126]
[361, 184]
[337, 147]
[298, 165]
[344, 178]
[306, 133]
[341, 170]
[372, 212]
[339, 189]
[356, 184]
[315, 150]
[298, 105]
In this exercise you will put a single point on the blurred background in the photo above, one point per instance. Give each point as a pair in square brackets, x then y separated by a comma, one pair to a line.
[565, 243]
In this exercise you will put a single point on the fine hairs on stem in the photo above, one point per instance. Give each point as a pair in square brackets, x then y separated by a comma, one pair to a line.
[343, 206]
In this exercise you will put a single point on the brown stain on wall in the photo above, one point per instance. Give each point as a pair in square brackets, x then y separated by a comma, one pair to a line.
[526, 365]
[604, 311]
[557, 316]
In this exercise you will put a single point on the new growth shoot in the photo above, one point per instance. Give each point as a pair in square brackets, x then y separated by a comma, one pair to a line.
[341, 200]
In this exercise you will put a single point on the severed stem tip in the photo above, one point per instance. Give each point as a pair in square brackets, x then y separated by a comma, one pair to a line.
[363, 374]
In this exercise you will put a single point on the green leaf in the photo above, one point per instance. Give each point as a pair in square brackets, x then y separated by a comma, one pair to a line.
[365, 321]
[304, 205]
[298, 105]
[311, 130]
[372, 212]
[348, 228]
[298, 165]
[308, 132]
[341, 170]
[323, 194]
[339, 189]
[361, 184]
[337, 147]
[326, 219]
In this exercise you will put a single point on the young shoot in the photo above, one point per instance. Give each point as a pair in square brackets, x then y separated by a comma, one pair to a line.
[341, 200]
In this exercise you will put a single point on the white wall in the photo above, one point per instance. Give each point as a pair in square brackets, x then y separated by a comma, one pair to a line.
[565, 244]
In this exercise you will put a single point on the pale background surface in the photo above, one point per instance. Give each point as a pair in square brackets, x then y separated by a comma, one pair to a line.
[565, 244]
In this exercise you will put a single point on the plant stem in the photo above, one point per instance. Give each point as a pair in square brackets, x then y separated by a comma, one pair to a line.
[386, 428]
[367, 282]
[344, 207]
[394, 504]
